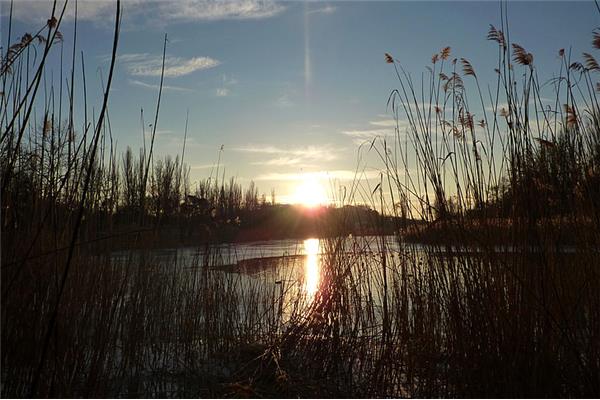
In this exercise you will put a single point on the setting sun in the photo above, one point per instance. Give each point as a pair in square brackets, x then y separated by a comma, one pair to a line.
[310, 193]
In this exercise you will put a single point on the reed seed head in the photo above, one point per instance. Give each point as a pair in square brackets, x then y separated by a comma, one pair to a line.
[590, 62]
[576, 66]
[496, 36]
[521, 56]
[52, 22]
[467, 67]
[445, 53]
[571, 115]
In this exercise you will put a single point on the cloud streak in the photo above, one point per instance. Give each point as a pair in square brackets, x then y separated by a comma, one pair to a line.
[382, 129]
[280, 161]
[206, 10]
[150, 12]
[224, 90]
[321, 153]
[385, 122]
[366, 135]
[156, 87]
[284, 101]
[328, 9]
[342, 175]
[144, 64]
[205, 166]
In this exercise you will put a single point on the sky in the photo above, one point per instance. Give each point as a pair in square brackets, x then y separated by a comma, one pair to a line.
[285, 89]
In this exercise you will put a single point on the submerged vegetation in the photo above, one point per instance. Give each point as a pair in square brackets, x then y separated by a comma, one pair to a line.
[502, 303]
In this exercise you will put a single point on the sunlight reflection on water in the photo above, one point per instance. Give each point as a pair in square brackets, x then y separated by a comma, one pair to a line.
[312, 267]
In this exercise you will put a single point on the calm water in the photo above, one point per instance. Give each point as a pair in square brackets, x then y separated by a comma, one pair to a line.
[295, 264]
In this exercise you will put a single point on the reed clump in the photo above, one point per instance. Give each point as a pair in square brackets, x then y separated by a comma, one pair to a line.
[502, 302]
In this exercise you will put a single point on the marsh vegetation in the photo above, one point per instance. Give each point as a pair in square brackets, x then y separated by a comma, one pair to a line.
[501, 302]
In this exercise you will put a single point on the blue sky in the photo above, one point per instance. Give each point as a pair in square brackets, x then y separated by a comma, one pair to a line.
[288, 88]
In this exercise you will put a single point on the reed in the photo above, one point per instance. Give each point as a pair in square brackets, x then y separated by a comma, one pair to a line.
[501, 302]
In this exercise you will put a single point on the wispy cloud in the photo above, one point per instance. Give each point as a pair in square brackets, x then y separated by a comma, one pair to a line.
[161, 134]
[361, 136]
[226, 83]
[384, 122]
[328, 9]
[532, 101]
[150, 12]
[383, 128]
[342, 175]
[204, 166]
[211, 10]
[36, 11]
[144, 64]
[156, 87]
[322, 153]
[228, 80]
[280, 161]
[284, 101]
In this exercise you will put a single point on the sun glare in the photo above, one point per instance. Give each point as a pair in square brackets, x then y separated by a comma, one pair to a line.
[310, 193]
[312, 267]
